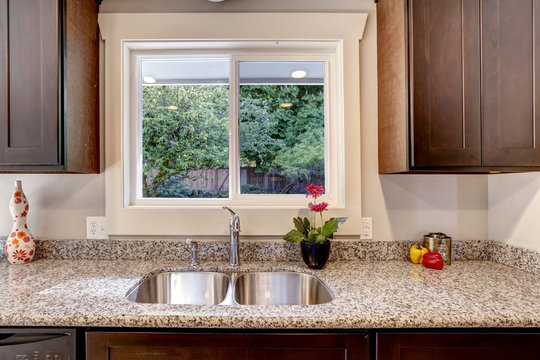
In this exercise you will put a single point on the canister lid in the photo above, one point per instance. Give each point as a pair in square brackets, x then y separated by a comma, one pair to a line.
[437, 235]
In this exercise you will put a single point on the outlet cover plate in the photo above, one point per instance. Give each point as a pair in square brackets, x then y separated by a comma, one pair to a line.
[96, 227]
[367, 229]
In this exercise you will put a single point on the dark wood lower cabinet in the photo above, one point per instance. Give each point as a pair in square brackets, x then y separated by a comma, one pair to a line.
[386, 345]
[460, 346]
[225, 346]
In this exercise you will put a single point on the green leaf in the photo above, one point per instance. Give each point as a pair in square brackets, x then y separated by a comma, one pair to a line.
[300, 225]
[312, 236]
[307, 224]
[320, 239]
[293, 236]
[329, 227]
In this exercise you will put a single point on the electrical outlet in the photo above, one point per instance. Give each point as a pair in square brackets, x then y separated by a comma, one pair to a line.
[95, 227]
[367, 228]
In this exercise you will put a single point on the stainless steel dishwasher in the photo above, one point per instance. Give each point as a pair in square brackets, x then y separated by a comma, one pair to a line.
[37, 344]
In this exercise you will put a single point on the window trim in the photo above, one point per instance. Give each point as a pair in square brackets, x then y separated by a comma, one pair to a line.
[329, 51]
[212, 223]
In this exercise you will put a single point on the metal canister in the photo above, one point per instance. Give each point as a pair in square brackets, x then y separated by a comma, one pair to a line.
[441, 243]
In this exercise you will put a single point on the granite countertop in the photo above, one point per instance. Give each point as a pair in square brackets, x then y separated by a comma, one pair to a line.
[368, 294]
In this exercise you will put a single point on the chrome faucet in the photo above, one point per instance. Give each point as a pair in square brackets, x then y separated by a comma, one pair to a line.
[235, 236]
[193, 245]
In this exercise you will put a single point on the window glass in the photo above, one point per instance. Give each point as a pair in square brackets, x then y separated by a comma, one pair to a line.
[185, 128]
[281, 126]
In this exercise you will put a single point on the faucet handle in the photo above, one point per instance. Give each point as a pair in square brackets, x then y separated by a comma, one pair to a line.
[235, 220]
[194, 249]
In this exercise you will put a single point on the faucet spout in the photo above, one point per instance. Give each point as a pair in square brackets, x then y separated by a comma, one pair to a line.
[234, 230]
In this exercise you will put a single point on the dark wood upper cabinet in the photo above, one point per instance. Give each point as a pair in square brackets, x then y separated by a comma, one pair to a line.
[445, 74]
[49, 94]
[457, 85]
[511, 82]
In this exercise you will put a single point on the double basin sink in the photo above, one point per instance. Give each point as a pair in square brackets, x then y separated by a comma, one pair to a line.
[220, 288]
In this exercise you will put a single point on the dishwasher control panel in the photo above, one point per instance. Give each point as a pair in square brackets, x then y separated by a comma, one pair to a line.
[37, 344]
[37, 355]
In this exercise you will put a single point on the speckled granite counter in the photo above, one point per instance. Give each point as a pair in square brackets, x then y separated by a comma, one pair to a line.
[368, 294]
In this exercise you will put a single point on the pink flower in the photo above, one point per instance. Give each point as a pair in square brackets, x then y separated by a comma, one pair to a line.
[17, 200]
[319, 207]
[314, 190]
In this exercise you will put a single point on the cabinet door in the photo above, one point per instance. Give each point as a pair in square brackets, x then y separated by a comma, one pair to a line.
[511, 82]
[429, 346]
[29, 81]
[444, 40]
[225, 346]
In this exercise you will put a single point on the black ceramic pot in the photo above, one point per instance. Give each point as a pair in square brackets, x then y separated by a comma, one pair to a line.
[315, 255]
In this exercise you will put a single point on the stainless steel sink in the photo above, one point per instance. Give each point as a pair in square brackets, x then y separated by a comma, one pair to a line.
[196, 288]
[215, 288]
[280, 288]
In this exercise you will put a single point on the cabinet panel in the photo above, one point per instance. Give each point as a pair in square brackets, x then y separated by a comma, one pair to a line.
[177, 353]
[82, 86]
[29, 81]
[49, 89]
[445, 75]
[225, 346]
[392, 87]
[297, 354]
[440, 346]
[511, 61]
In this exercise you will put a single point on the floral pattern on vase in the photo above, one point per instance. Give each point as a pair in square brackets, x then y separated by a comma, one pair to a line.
[20, 245]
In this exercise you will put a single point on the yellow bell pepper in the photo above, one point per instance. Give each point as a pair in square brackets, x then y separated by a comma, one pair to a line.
[416, 253]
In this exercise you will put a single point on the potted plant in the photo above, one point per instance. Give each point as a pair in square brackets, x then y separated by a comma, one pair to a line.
[314, 240]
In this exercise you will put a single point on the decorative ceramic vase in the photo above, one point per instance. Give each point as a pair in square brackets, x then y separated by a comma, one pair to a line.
[315, 255]
[20, 245]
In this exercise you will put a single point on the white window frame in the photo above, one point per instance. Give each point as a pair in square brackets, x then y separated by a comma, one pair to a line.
[119, 30]
[328, 51]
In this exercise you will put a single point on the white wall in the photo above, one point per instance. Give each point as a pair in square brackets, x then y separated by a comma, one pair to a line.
[59, 204]
[402, 207]
[514, 209]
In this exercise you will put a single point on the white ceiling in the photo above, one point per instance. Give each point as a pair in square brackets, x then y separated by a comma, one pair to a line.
[216, 71]
[178, 71]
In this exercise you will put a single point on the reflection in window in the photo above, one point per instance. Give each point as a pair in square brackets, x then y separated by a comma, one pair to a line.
[281, 126]
[185, 121]
[185, 129]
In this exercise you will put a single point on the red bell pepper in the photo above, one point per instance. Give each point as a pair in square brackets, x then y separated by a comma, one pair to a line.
[433, 260]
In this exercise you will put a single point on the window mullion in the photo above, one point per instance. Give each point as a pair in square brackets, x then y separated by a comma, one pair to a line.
[234, 151]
